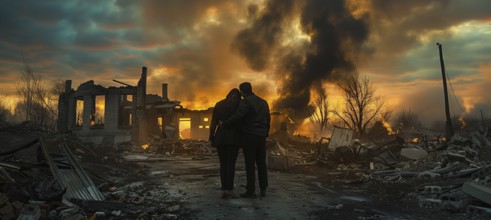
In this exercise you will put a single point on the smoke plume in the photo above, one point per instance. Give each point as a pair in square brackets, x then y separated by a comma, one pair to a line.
[335, 39]
[258, 42]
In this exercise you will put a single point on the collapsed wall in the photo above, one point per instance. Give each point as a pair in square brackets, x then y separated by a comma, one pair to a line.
[113, 115]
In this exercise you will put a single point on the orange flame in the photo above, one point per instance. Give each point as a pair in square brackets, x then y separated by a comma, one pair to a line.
[388, 127]
[145, 146]
[462, 121]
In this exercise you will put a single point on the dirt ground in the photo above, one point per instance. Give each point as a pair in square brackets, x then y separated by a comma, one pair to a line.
[305, 192]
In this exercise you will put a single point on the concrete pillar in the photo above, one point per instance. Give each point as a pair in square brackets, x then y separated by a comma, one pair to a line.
[140, 116]
[68, 86]
[165, 96]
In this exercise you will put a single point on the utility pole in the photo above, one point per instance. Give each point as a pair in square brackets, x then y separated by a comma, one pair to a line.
[449, 126]
[482, 120]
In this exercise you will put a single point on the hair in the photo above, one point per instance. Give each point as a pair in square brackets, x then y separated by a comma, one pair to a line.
[233, 98]
[246, 87]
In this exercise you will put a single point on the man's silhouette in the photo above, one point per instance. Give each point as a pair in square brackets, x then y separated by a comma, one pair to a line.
[254, 118]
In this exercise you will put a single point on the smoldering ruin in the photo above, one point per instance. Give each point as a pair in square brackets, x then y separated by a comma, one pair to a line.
[138, 155]
[120, 152]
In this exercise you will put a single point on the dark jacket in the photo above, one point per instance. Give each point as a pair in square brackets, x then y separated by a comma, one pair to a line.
[223, 135]
[252, 115]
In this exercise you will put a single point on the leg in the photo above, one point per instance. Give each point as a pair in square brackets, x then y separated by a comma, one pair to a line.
[232, 153]
[250, 160]
[262, 170]
[222, 156]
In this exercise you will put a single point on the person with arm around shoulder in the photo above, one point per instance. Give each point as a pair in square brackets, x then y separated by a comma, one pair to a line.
[226, 140]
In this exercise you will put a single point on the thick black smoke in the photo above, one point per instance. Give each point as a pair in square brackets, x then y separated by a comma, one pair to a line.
[257, 43]
[335, 39]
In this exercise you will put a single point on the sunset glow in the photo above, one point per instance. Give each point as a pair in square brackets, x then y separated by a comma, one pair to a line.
[204, 49]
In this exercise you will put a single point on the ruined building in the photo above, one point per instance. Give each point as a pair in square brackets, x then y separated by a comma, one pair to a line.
[119, 114]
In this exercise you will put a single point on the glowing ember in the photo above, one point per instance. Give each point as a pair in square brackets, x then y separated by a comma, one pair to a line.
[462, 121]
[144, 147]
[388, 127]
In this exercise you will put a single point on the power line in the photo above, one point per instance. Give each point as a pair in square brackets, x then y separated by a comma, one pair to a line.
[453, 92]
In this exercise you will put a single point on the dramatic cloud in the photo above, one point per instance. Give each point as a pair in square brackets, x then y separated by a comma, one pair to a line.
[401, 26]
[286, 48]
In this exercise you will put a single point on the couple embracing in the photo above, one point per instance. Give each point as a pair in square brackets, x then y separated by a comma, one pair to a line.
[241, 123]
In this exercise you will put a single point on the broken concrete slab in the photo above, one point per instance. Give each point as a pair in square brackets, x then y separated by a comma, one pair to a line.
[413, 153]
[478, 191]
[474, 211]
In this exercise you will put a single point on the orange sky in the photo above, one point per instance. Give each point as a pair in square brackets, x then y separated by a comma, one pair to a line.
[196, 47]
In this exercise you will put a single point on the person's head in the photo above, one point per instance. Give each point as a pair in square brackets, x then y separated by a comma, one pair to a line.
[233, 98]
[245, 88]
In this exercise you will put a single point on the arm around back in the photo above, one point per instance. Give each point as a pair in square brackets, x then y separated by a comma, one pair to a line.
[242, 110]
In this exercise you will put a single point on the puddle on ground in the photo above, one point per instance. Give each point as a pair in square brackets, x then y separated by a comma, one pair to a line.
[355, 198]
[158, 172]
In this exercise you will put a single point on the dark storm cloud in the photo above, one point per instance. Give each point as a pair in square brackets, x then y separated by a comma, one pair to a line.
[465, 53]
[101, 40]
[462, 58]
[404, 37]
[84, 40]
[401, 23]
[54, 36]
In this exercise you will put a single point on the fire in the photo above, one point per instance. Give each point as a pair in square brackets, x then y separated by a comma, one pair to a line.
[388, 127]
[144, 147]
[462, 121]
[415, 140]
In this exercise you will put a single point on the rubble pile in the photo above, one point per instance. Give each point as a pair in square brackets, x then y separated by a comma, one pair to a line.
[46, 176]
[452, 176]
[59, 177]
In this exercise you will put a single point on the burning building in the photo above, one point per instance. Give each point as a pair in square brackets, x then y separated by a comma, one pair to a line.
[113, 115]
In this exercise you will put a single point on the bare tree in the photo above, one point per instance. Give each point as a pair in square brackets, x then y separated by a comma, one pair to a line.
[362, 106]
[25, 91]
[5, 113]
[37, 103]
[320, 116]
[407, 119]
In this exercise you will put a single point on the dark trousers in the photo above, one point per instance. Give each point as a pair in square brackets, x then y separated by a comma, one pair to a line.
[254, 147]
[228, 156]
